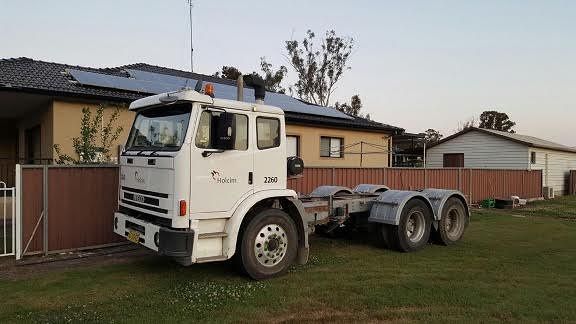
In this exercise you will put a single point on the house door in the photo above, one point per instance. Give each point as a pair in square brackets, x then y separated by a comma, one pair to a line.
[454, 160]
[33, 147]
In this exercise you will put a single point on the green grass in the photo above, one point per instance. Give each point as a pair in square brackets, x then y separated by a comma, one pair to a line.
[515, 266]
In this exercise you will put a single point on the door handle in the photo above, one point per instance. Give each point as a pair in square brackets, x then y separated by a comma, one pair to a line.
[250, 177]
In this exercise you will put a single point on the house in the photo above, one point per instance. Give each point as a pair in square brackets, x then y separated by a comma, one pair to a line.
[491, 149]
[41, 105]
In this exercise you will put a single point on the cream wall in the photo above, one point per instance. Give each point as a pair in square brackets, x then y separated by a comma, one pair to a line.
[67, 118]
[310, 147]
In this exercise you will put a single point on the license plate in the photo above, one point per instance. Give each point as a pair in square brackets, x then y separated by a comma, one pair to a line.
[134, 236]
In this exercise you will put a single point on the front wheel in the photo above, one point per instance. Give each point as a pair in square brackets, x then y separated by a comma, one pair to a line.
[268, 244]
[413, 231]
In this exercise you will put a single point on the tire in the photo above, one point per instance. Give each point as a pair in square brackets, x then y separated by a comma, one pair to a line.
[413, 231]
[453, 222]
[268, 245]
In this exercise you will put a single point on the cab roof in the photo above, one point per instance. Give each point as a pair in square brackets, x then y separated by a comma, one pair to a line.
[194, 96]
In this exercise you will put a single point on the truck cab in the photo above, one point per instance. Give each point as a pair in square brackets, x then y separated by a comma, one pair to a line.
[192, 167]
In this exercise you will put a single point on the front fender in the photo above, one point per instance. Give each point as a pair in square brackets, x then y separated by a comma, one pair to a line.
[387, 208]
[235, 221]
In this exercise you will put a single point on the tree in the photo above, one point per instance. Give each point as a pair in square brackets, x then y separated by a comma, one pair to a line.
[93, 144]
[272, 79]
[228, 72]
[319, 69]
[471, 122]
[351, 109]
[432, 136]
[492, 119]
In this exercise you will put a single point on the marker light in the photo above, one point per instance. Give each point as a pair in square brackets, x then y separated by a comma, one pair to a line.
[209, 90]
[182, 207]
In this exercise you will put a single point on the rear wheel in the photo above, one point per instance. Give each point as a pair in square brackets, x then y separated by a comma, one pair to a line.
[413, 231]
[453, 222]
[268, 244]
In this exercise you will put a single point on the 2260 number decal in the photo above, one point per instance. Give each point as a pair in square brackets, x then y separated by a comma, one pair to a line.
[270, 179]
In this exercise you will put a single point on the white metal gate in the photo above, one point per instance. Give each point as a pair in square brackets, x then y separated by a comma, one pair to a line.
[7, 220]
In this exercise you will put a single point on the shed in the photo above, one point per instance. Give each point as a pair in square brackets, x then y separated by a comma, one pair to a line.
[491, 149]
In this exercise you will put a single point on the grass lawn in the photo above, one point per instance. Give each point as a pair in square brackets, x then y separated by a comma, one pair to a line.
[511, 266]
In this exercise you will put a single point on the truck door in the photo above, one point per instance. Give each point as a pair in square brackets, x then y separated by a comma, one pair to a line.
[220, 178]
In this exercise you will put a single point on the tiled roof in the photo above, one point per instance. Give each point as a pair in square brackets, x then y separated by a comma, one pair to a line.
[28, 75]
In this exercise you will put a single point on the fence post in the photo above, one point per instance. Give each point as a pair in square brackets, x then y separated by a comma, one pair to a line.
[460, 179]
[18, 216]
[425, 179]
[333, 176]
[45, 206]
[471, 199]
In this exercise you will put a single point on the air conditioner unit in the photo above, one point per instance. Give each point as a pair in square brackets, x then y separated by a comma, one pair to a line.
[548, 192]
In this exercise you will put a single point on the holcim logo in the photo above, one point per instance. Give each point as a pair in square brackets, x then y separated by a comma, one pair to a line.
[220, 179]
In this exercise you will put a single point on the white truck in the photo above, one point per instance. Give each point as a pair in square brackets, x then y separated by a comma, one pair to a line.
[205, 179]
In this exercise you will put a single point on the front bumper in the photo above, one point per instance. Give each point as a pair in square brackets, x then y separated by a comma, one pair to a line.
[166, 241]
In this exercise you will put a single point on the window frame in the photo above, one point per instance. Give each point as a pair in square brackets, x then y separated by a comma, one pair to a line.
[533, 157]
[462, 159]
[217, 109]
[341, 152]
[279, 133]
[297, 143]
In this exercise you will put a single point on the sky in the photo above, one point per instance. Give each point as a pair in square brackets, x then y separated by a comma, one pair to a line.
[415, 64]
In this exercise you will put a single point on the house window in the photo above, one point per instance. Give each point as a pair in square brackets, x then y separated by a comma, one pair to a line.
[267, 132]
[292, 145]
[533, 157]
[454, 160]
[331, 147]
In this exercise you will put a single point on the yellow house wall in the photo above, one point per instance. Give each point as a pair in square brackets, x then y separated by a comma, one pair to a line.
[310, 147]
[67, 118]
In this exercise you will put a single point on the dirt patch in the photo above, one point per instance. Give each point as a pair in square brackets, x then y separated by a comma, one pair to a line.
[37, 265]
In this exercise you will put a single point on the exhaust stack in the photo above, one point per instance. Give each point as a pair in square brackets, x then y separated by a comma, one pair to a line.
[240, 88]
[257, 83]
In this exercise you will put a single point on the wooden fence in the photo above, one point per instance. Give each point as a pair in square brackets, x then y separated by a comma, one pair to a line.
[476, 184]
[572, 183]
[68, 208]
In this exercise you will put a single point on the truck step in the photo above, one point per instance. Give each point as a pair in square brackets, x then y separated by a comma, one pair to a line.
[212, 235]
[211, 259]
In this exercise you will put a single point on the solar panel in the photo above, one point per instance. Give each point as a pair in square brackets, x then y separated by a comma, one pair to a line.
[115, 82]
[155, 83]
[224, 91]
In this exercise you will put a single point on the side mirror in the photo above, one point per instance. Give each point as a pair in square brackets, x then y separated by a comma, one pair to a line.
[224, 135]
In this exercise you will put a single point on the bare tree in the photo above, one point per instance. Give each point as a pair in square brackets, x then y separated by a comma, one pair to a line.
[319, 69]
[471, 122]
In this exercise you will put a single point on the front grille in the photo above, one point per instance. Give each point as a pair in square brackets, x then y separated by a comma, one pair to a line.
[142, 199]
[156, 220]
[146, 192]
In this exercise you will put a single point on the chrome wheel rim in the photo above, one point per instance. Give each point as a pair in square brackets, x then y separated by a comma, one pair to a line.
[270, 245]
[416, 226]
[453, 223]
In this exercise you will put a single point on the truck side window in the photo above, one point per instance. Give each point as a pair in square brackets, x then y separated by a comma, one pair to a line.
[208, 120]
[267, 132]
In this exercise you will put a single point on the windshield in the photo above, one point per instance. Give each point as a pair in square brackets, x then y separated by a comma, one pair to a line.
[161, 128]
